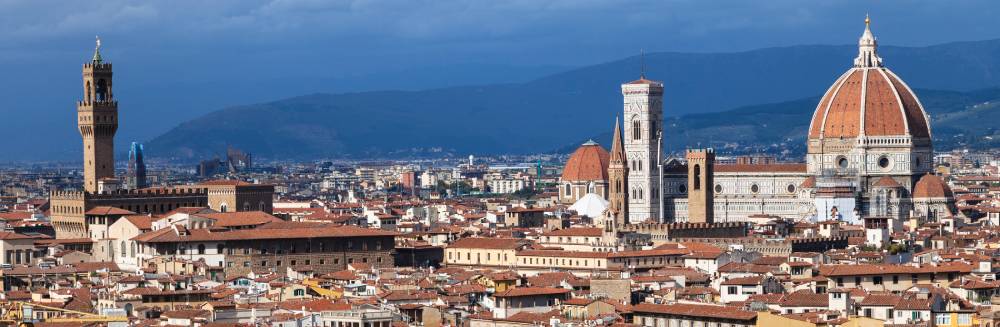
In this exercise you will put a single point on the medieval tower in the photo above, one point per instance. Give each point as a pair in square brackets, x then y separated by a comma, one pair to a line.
[643, 114]
[97, 118]
[618, 179]
[701, 204]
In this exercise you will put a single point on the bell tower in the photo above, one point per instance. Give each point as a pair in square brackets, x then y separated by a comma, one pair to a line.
[97, 119]
[701, 196]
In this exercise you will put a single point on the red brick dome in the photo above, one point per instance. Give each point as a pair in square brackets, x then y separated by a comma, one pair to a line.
[869, 100]
[931, 186]
[588, 163]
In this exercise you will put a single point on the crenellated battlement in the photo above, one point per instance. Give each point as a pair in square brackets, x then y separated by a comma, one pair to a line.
[98, 66]
[151, 192]
[143, 193]
[97, 105]
[67, 195]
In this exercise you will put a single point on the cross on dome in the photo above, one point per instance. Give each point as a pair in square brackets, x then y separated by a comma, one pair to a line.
[867, 45]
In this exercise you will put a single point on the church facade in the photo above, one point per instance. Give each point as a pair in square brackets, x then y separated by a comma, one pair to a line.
[869, 154]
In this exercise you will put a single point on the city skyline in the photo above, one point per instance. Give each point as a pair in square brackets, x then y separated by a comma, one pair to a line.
[852, 185]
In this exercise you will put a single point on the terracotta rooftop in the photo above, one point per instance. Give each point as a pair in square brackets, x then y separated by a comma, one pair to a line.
[580, 231]
[531, 291]
[488, 243]
[931, 186]
[167, 235]
[108, 211]
[695, 310]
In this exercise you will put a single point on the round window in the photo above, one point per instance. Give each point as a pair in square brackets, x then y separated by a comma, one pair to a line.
[718, 188]
[682, 188]
[883, 162]
[754, 188]
[842, 162]
[791, 188]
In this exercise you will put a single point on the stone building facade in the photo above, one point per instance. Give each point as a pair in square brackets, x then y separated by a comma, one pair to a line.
[273, 248]
[68, 207]
[233, 195]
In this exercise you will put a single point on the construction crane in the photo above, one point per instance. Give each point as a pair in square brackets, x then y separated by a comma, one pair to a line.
[21, 314]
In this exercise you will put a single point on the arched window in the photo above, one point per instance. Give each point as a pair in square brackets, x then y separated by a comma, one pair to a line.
[123, 248]
[201, 248]
[132, 252]
[636, 130]
[103, 91]
[568, 190]
[697, 177]
[639, 165]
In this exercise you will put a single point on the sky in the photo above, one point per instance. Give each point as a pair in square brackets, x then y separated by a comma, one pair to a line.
[175, 60]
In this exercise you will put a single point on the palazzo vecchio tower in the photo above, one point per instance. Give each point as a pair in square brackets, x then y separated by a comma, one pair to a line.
[97, 118]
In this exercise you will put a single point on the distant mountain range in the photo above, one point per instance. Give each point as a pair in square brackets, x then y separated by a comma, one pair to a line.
[557, 110]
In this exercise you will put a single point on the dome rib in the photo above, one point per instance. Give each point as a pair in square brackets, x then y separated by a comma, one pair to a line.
[819, 118]
[843, 117]
[899, 102]
[883, 114]
[916, 117]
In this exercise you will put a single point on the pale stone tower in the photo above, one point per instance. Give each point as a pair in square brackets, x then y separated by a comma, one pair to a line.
[97, 118]
[618, 179]
[701, 196]
[643, 117]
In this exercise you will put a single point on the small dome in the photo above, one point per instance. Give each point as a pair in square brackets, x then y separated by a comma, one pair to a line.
[931, 186]
[588, 163]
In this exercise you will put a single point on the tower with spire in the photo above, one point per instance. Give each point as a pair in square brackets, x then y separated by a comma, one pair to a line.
[617, 179]
[97, 120]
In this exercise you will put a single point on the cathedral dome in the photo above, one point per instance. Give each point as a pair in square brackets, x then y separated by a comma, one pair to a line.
[869, 100]
[931, 186]
[588, 163]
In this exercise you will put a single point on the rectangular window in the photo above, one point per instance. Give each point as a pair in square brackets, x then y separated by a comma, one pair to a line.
[733, 290]
[942, 319]
[964, 319]
[895, 279]
[877, 280]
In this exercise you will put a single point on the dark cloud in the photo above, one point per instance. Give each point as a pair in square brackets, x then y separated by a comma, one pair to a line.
[186, 57]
